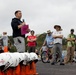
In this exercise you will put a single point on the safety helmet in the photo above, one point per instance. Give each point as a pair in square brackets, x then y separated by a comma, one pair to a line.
[4, 58]
[33, 56]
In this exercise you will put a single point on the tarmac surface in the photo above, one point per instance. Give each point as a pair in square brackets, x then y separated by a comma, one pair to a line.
[48, 69]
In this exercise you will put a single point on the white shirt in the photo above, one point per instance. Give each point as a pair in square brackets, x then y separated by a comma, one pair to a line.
[57, 40]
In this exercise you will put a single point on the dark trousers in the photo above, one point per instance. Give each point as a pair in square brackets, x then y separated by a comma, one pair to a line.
[31, 49]
[57, 48]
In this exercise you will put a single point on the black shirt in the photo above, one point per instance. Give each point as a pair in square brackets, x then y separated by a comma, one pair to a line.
[16, 32]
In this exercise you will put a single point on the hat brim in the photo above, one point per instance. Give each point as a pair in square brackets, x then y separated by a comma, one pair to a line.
[48, 32]
[57, 26]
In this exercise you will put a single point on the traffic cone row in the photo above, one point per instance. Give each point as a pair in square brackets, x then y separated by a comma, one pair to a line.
[21, 69]
[29, 69]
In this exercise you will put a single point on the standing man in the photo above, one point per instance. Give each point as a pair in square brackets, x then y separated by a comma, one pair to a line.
[16, 27]
[57, 35]
[49, 42]
[70, 46]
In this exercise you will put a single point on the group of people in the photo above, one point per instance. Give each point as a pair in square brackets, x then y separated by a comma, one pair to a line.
[53, 40]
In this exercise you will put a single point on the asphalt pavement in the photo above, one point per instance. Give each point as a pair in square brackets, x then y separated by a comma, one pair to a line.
[48, 69]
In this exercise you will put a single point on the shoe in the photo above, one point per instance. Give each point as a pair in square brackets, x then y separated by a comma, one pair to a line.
[52, 63]
[62, 64]
[48, 61]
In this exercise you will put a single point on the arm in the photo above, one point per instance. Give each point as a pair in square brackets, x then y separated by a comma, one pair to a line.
[34, 39]
[28, 40]
[71, 39]
[31, 40]
[60, 36]
[19, 26]
[15, 25]
[44, 43]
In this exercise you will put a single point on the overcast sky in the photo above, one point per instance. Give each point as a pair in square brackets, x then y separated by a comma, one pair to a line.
[41, 15]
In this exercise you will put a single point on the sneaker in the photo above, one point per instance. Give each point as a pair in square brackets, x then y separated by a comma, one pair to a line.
[52, 63]
[62, 64]
[48, 61]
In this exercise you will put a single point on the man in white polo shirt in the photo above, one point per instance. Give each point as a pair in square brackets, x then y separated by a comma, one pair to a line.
[57, 35]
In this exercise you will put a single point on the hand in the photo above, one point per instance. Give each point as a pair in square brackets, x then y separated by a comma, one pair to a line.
[30, 40]
[28, 30]
[51, 43]
[23, 23]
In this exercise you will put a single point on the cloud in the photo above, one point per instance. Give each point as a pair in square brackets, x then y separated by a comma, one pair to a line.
[41, 15]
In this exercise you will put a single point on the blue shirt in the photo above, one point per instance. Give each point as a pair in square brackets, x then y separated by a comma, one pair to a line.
[49, 40]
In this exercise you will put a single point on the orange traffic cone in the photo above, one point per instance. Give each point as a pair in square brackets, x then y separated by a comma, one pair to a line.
[5, 49]
[33, 68]
[1, 73]
[27, 70]
[22, 72]
[9, 71]
[17, 70]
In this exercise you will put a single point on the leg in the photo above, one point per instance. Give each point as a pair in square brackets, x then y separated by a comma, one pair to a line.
[68, 55]
[54, 55]
[33, 49]
[60, 52]
[20, 44]
[29, 49]
[50, 50]
[72, 53]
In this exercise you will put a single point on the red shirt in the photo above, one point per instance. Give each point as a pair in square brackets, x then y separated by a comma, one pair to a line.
[32, 43]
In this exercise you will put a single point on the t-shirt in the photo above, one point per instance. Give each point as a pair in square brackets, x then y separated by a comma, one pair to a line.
[57, 40]
[71, 43]
[49, 40]
[16, 32]
[32, 43]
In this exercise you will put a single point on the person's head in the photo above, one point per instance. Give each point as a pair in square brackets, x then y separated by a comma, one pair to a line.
[32, 32]
[49, 32]
[18, 14]
[57, 27]
[72, 31]
[4, 33]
